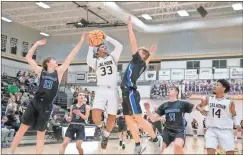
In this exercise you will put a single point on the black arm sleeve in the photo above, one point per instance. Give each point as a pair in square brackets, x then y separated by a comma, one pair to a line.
[136, 57]
[188, 107]
[161, 111]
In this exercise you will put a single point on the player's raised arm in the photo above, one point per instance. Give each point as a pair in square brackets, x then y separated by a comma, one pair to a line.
[33, 65]
[152, 51]
[118, 48]
[91, 60]
[132, 37]
[71, 56]
[201, 106]
[153, 117]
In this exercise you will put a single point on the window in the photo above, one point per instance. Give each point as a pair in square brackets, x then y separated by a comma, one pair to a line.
[220, 63]
[241, 62]
[3, 43]
[192, 64]
[119, 67]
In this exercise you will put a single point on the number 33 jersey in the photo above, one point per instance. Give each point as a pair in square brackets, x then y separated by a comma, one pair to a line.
[219, 115]
[106, 72]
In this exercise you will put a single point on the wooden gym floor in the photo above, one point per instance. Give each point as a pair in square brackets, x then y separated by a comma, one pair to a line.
[191, 147]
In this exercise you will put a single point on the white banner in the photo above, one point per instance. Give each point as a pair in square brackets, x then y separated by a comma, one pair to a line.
[164, 75]
[221, 73]
[236, 73]
[177, 74]
[142, 77]
[206, 73]
[150, 75]
[191, 74]
[91, 77]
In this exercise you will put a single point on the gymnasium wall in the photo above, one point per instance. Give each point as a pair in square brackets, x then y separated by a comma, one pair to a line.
[196, 42]
[20, 32]
[11, 67]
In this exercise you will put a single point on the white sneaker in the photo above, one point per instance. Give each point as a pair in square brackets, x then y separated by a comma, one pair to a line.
[139, 149]
[158, 145]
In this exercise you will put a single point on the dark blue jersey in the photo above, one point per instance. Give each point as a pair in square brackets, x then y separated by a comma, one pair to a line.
[134, 70]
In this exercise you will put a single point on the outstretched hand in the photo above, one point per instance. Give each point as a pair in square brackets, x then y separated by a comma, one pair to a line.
[41, 42]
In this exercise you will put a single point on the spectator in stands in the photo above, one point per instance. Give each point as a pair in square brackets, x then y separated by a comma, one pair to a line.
[56, 127]
[87, 98]
[26, 81]
[25, 99]
[12, 113]
[195, 128]
[36, 81]
[7, 134]
[18, 74]
[12, 89]
[4, 76]
[75, 94]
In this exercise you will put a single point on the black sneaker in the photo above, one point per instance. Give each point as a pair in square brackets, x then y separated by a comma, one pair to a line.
[104, 142]
[97, 132]
[123, 146]
[120, 143]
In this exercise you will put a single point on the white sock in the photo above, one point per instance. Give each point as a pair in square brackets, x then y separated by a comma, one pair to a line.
[106, 134]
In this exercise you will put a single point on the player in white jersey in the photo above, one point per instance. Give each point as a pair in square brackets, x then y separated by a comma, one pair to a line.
[106, 96]
[220, 117]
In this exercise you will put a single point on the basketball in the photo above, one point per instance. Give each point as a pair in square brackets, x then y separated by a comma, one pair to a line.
[96, 38]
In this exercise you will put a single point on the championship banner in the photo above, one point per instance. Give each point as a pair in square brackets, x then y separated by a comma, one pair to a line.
[221, 73]
[206, 73]
[91, 77]
[191, 74]
[177, 74]
[236, 73]
[150, 75]
[164, 75]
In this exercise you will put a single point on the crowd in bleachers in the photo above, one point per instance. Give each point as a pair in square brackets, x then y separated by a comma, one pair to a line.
[16, 93]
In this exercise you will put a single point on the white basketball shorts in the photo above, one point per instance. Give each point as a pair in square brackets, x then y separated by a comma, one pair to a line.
[222, 137]
[106, 99]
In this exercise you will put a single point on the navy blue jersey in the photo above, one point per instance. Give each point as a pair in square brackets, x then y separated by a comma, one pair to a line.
[77, 118]
[48, 86]
[134, 70]
[175, 113]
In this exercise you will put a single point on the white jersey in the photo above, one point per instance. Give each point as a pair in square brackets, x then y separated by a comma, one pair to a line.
[106, 72]
[219, 115]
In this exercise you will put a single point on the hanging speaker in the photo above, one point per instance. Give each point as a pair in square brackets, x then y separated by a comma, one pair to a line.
[202, 11]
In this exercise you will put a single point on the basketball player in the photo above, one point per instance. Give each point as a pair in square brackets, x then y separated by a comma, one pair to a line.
[174, 127]
[78, 114]
[122, 128]
[131, 98]
[106, 96]
[39, 109]
[220, 117]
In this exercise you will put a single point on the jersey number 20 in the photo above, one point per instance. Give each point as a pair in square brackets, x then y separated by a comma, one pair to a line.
[106, 70]
[218, 112]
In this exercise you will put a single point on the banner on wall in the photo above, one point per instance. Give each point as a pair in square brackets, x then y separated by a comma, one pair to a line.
[221, 73]
[150, 75]
[91, 77]
[81, 77]
[177, 74]
[206, 73]
[191, 74]
[236, 73]
[164, 74]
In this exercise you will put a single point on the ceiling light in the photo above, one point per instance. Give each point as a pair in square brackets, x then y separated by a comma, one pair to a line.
[182, 13]
[79, 23]
[44, 34]
[237, 6]
[146, 16]
[6, 19]
[43, 5]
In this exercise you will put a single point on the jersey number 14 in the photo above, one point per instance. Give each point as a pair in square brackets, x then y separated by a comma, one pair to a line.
[106, 70]
[218, 112]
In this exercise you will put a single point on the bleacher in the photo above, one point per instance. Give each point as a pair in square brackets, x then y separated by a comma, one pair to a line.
[60, 104]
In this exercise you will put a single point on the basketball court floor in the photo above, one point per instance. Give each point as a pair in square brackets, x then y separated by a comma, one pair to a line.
[192, 147]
